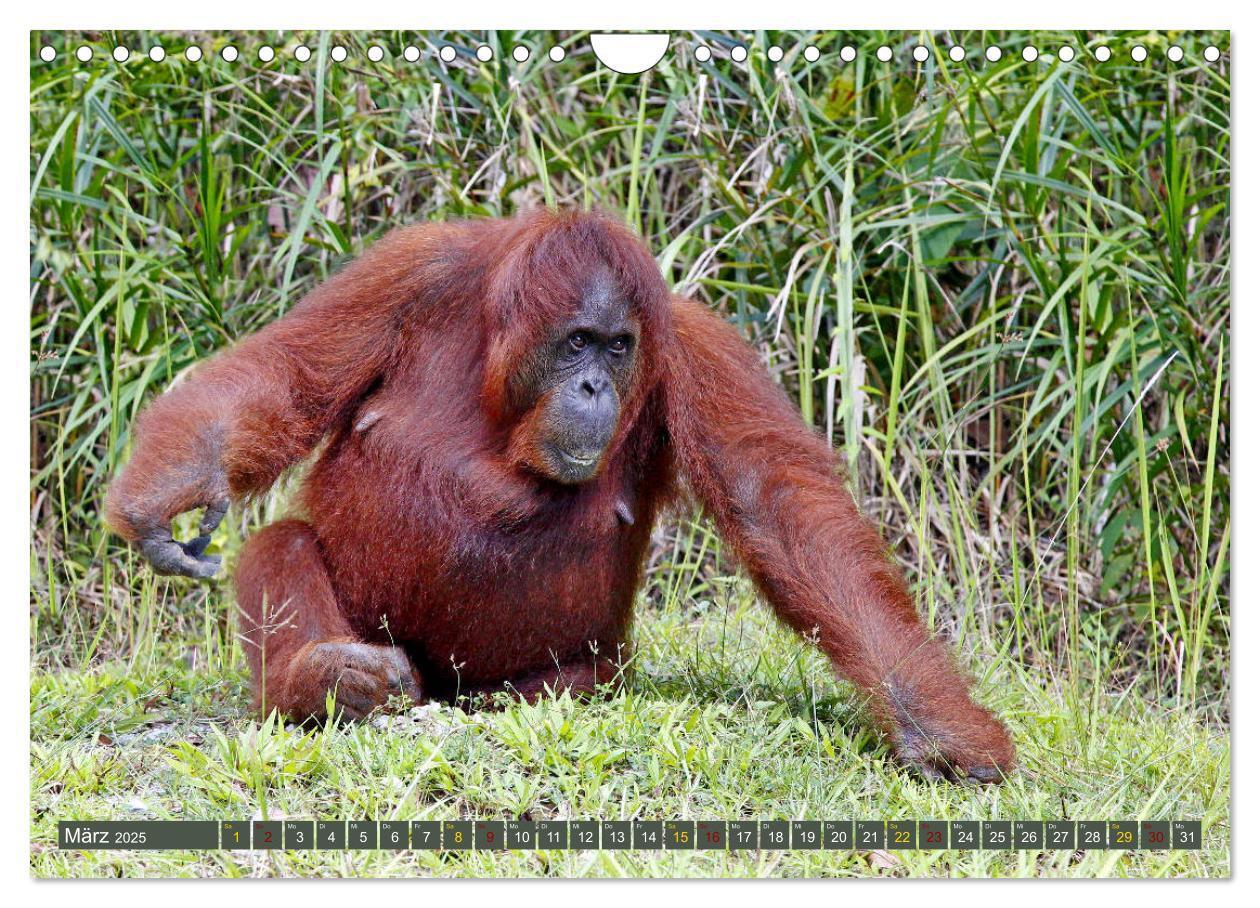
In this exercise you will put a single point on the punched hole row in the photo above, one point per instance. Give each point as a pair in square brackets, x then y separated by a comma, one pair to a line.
[702, 52]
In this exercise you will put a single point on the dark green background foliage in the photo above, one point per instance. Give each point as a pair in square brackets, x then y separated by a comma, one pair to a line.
[966, 274]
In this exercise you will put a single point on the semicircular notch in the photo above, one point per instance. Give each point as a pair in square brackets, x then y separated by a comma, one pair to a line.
[627, 53]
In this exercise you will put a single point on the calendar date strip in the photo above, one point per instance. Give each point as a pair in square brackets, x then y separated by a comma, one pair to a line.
[630, 835]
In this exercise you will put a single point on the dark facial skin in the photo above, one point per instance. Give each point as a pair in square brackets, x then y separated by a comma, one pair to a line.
[585, 370]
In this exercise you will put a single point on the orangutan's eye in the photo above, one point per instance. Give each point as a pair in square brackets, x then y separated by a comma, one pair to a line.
[578, 340]
[619, 345]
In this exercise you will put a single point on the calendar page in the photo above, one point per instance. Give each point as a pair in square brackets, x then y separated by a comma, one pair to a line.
[574, 453]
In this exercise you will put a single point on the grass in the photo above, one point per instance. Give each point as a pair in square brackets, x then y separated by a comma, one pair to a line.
[1001, 291]
[727, 718]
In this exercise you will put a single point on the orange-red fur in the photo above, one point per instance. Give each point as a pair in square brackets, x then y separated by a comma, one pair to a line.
[426, 532]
